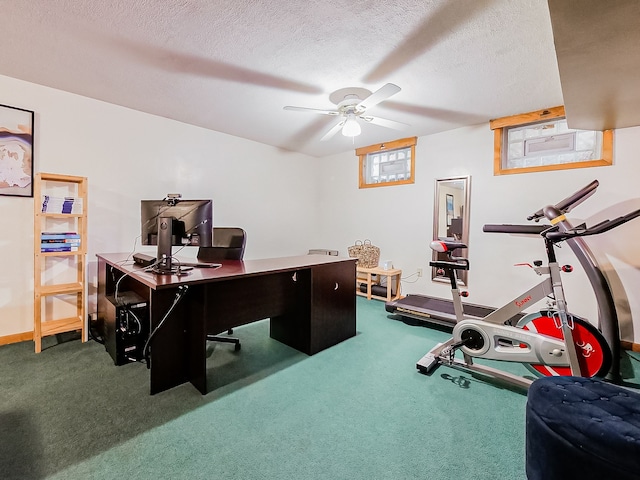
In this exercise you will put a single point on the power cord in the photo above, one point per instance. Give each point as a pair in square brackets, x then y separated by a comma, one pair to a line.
[93, 331]
[135, 242]
[179, 271]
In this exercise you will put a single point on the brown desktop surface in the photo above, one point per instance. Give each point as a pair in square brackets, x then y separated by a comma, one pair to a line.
[229, 268]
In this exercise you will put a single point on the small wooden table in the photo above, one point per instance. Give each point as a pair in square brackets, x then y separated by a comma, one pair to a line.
[366, 276]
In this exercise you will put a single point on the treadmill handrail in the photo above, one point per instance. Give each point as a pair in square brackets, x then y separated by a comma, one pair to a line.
[604, 226]
[570, 202]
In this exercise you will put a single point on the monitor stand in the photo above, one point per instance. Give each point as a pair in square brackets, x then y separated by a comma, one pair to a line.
[165, 240]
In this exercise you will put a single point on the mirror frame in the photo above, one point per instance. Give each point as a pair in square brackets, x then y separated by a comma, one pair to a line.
[466, 179]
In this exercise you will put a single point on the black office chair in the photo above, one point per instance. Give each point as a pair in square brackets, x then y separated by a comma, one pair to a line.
[228, 244]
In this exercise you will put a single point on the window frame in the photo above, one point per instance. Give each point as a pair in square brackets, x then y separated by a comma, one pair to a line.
[387, 146]
[500, 124]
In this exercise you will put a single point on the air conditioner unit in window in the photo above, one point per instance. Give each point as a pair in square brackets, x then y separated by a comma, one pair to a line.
[552, 144]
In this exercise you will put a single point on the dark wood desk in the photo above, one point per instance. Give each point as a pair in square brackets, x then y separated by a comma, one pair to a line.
[309, 299]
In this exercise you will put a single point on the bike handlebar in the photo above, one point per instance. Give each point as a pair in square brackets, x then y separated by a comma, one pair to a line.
[571, 201]
[554, 212]
[552, 232]
[515, 229]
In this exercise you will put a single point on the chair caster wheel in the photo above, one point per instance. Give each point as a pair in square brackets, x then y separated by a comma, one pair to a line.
[237, 347]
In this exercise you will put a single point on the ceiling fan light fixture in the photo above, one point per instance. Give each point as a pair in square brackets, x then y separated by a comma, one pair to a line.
[351, 104]
[351, 127]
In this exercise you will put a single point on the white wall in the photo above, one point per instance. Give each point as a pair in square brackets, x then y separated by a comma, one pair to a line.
[128, 156]
[400, 219]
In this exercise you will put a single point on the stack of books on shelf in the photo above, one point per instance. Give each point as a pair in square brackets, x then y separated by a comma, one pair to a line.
[61, 204]
[59, 242]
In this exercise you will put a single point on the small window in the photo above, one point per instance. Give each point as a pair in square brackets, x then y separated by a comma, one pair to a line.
[390, 163]
[542, 140]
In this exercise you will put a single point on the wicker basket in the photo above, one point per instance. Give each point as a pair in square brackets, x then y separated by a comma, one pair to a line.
[368, 255]
[356, 249]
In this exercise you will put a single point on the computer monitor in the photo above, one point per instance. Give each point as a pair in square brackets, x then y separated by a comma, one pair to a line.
[175, 222]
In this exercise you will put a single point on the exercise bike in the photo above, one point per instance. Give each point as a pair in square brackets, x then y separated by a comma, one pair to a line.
[536, 340]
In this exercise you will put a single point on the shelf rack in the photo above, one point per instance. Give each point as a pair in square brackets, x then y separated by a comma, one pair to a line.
[73, 186]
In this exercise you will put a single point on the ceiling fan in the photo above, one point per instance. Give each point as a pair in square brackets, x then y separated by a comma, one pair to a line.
[352, 102]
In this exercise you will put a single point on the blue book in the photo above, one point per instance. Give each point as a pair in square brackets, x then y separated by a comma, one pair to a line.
[66, 205]
[58, 249]
[72, 241]
[58, 236]
[59, 245]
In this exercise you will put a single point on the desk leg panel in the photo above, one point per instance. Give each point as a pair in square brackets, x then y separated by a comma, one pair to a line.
[169, 366]
[196, 336]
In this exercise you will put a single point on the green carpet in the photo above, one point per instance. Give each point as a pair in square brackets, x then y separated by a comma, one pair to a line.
[359, 410]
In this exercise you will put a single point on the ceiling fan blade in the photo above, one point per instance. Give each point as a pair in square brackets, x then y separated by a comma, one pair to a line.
[312, 110]
[335, 129]
[383, 122]
[378, 96]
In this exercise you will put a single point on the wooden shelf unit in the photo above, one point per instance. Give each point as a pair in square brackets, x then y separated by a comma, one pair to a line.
[373, 276]
[46, 184]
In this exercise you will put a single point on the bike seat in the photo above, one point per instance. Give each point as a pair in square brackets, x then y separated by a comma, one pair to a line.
[443, 246]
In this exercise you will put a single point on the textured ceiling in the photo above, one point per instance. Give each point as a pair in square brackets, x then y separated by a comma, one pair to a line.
[232, 66]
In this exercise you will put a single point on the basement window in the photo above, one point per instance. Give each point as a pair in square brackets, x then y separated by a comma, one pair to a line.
[541, 141]
[389, 163]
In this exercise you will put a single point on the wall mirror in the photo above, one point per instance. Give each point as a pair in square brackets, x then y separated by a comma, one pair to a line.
[451, 219]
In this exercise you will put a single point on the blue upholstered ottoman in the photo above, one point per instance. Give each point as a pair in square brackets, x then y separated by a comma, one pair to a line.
[582, 428]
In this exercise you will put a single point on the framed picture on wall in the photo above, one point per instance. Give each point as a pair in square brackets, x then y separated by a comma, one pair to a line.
[16, 151]
[449, 208]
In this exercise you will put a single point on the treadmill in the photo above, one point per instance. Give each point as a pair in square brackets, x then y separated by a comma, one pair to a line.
[432, 310]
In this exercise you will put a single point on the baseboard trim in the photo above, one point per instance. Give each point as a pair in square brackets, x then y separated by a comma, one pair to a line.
[634, 347]
[16, 337]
